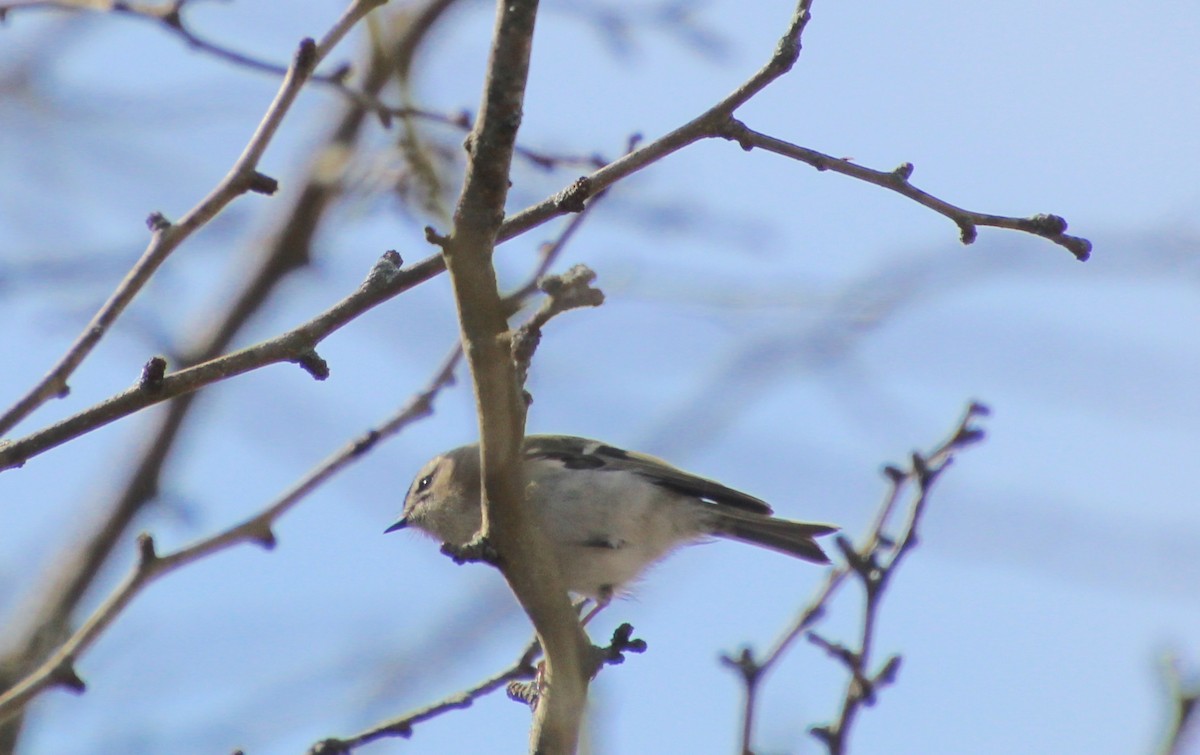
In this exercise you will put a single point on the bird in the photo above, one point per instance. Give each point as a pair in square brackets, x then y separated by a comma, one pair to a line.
[609, 514]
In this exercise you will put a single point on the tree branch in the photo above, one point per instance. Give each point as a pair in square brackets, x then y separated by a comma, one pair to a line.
[418, 408]
[1050, 227]
[706, 125]
[873, 562]
[59, 668]
[386, 281]
[526, 560]
[718, 122]
[167, 237]
[287, 248]
[402, 725]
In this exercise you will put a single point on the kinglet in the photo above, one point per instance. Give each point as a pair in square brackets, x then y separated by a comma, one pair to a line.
[609, 513]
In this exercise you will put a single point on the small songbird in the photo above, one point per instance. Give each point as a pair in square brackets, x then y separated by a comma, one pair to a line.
[608, 513]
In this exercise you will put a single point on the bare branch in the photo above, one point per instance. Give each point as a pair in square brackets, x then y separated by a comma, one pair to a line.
[258, 529]
[873, 563]
[382, 274]
[718, 122]
[525, 559]
[402, 725]
[1050, 227]
[296, 345]
[706, 125]
[167, 237]
[571, 290]
[287, 249]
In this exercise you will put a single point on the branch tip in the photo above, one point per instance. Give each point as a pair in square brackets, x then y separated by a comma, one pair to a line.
[306, 57]
[864, 565]
[622, 642]
[969, 434]
[967, 232]
[745, 664]
[824, 734]
[385, 269]
[572, 198]
[478, 550]
[146, 553]
[435, 238]
[904, 171]
[365, 443]
[919, 464]
[64, 676]
[334, 747]
[265, 537]
[887, 674]
[835, 650]
[157, 222]
[572, 289]
[978, 409]
[259, 183]
[1081, 248]
[153, 371]
[1046, 225]
[1054, 227]
[312, 363]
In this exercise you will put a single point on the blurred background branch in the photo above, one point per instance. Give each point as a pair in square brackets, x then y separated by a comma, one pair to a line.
[1183, 695]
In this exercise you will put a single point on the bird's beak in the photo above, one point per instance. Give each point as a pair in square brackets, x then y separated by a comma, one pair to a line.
[398, 525]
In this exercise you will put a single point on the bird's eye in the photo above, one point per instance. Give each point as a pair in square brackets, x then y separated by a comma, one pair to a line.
[425, 482]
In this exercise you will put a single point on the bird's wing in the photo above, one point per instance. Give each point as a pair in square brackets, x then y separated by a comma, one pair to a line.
[582, 453]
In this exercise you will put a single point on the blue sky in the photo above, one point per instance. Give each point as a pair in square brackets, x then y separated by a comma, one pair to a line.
[782, 330]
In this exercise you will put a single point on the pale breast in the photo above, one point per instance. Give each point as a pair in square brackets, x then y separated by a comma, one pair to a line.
[610, 525]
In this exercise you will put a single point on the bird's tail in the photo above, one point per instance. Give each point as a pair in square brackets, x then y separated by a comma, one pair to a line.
[783, 535]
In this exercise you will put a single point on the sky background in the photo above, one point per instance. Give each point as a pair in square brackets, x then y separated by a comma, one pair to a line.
[785, 331]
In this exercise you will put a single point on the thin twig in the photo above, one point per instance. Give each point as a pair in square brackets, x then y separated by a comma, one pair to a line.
[872, 562]
[1050, 227]
[254, 529]
[59, 668]
[167, 236]
[571, 290]
[402, 725]
[706, 125]
[170, 16]
[291, 346]
[718, 122]
[286, 249]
